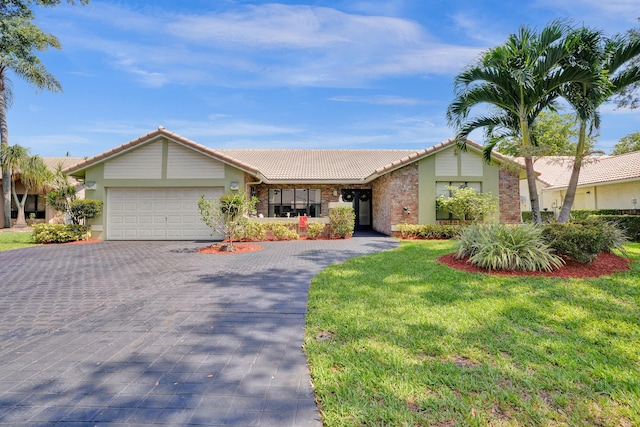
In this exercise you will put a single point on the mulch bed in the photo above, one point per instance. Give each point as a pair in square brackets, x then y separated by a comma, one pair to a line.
[604, 265]
[241, 248]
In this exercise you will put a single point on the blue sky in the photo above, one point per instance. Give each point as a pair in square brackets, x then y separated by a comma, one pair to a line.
[296, 74]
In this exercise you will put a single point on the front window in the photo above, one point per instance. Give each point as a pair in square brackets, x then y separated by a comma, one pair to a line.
[442, 189]
[294, 202]
[34, 206]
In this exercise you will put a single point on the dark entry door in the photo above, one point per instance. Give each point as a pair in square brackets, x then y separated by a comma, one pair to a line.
[362, 207]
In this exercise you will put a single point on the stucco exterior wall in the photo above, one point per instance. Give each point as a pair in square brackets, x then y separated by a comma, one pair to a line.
[96, 175]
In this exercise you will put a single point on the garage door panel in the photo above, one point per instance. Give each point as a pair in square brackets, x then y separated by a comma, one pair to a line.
[157, 213]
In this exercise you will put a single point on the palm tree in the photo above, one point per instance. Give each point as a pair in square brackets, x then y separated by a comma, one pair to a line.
[519, 80]
[30, 170]
[18, 39]
[615, 67]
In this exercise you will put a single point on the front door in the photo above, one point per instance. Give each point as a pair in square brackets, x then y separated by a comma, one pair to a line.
[362, 207]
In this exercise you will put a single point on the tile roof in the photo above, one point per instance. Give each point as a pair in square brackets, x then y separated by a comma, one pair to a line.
[66, 162]
[555, 171]
[317, 165]
[294, 165]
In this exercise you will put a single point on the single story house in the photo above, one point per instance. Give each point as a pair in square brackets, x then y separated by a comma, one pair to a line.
[605, 182]
[150, 186]
[36, 204]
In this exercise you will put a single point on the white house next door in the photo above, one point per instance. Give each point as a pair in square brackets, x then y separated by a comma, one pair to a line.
[157, 213]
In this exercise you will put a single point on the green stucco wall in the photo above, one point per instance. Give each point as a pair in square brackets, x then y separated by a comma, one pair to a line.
[428, 179]
[96, 174]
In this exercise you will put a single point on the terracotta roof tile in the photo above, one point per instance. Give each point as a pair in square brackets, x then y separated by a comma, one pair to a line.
[555, 171]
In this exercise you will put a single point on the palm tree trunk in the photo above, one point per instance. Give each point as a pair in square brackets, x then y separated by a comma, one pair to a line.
[569, 198]
[21, 220]
[533, 190]
[4, 142]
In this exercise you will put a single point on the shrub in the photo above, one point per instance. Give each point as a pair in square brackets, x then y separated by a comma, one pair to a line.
[467, 204]
[547, 216]
[283, 232]
[630, 224]
[255, 231]
[342, 221]
[583, 240]
[315, 229]
[430, 231]
[507, 247]
[58, 233]
[83, 209]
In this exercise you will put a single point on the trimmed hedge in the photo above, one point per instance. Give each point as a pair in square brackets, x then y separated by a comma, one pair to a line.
[547, 216]
[58, 233]
[630, 224]
[430, 231]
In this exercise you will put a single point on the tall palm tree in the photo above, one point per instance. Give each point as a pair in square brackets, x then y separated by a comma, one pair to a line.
[518, 79]
[615, 67]
[32, 173]
[19, 38]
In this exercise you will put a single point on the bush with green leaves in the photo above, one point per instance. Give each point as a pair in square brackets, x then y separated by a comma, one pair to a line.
[527, 216]
[507, 247]
[342, 221]
[256, 231]
[83, 209]
[429, 231]
[283, 231]
[59, 233]
[630, 224]
[583, 240]
[315, 229]
[466, 204]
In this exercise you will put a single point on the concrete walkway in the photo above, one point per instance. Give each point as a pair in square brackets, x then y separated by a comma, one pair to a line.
[154, 333]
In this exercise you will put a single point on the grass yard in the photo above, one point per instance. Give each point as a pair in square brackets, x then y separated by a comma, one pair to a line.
[397, 339]
[10, 240]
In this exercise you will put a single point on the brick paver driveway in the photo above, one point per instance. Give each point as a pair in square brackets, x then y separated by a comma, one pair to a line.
[139, 333]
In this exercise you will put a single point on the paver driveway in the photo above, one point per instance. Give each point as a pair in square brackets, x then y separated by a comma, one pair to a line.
[139, 333]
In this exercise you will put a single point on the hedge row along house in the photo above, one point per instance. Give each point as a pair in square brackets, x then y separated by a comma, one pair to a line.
[150, 186]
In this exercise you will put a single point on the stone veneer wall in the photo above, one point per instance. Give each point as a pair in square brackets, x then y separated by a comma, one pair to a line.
[509, 197]
[393, 192]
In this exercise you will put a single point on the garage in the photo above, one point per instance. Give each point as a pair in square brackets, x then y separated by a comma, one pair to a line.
[157, 213]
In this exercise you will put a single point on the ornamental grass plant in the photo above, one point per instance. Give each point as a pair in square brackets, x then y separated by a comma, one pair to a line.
[507, 247]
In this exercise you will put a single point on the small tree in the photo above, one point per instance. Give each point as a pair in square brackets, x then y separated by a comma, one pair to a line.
[466, 204]
[227, 215]
[62, 194]
[82, 210]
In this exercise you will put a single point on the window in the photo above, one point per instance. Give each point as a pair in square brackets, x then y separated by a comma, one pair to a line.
[294, 202]
[34, 205]
[442, 189]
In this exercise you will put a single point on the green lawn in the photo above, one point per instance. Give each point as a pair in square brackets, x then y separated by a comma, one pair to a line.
[10, 240]
[397, 339]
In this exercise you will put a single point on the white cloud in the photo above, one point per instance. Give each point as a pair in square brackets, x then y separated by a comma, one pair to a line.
[264, 45]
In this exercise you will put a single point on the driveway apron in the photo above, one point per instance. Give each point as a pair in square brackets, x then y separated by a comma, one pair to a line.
[155, 333]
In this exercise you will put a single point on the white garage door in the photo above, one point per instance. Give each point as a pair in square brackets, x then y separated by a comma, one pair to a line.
[157, 213]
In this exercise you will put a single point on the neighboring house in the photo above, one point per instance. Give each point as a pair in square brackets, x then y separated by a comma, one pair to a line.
[150, 186]
[606, 182]
[36, 205]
